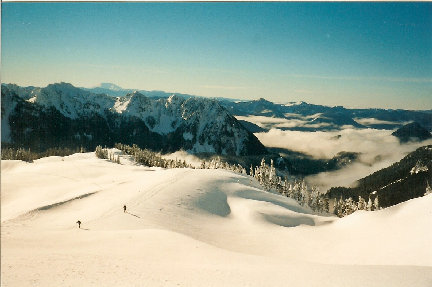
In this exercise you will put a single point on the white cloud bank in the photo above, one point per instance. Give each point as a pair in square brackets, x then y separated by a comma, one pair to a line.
[378, 149]
[374, 121]
[183, 155]
[294, 121]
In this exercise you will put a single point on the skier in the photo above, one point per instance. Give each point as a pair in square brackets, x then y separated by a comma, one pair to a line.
[79, 224]
[124, 208]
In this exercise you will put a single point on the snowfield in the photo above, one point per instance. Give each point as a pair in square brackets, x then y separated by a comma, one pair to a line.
[186, 227]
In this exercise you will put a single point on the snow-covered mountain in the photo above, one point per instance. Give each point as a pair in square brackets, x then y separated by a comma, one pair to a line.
[110, 86]
[62, 114]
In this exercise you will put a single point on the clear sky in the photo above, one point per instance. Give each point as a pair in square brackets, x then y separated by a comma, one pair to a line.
[351, 54]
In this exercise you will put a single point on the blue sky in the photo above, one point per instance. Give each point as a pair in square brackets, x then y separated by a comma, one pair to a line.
[351, 54]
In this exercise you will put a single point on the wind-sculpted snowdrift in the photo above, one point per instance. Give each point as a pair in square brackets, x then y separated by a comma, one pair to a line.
[193, 228]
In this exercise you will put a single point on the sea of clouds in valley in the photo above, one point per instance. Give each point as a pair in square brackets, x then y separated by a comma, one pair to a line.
[378, 148]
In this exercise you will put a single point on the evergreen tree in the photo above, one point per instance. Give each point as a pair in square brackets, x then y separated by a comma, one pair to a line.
[101, 153]
[361, 205]
[326, 204]
[428, 189]
[341, 207]
[335, 206]
[349, 207]
[369, 206]
[272, 173]
[376, 203]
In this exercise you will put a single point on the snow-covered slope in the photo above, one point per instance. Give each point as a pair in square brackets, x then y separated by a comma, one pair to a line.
[73, 102]
[194, 124]
[188, 227]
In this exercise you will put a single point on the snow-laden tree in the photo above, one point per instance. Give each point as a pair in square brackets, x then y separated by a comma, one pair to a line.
[335, 205]
[428, 189]
[340, 208]
[272, 173]
[376, 203]
[361, 204]
[251, 171]
[326, 207]
[101, 152]
[350, 207]
[369, 206]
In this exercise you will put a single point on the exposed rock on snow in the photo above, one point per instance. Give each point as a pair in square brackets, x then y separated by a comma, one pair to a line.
[419, 167]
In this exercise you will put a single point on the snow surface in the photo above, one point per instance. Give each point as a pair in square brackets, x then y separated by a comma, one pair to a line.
[187, 227]
[72, 102]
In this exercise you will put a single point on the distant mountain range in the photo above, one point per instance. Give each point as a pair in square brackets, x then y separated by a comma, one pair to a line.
[113, 90]
[324, 118]
[314, 117]
[63, 115]
[399, 182]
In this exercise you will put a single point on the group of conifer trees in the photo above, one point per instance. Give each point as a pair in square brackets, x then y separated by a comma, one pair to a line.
[308, 196]
[149, 158]
[298, 189]
[104, 154]
[346, 207]
[265, 174]
[28, 155]
[216, 163]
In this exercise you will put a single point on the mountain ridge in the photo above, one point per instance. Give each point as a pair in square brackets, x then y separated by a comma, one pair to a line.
[326, 118]
[399, 182]
[61, 113]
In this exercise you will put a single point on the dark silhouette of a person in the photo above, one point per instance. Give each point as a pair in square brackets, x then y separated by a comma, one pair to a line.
[79, 224]
[124, 208]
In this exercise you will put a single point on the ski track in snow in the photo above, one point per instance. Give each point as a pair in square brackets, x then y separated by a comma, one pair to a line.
[187, 227]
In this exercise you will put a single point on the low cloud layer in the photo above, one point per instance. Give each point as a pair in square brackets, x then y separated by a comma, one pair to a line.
[374, 121]
[321, 144]
[183, 155]
[378, 149]
[269, 122]
[294, 121]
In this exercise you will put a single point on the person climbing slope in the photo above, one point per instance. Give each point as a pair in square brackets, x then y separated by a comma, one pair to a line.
[124, 208]
[79, 224]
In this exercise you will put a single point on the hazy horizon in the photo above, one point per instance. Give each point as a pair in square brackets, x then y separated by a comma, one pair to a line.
[222, 97]
[357, 55]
